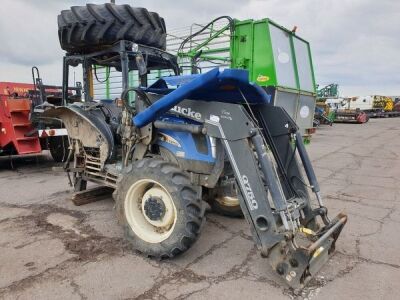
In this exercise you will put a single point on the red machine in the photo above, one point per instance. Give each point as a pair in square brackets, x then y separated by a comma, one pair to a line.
[17, 135]
[351, 116]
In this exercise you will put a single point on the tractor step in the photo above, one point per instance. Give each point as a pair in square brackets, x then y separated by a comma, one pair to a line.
[91, 195]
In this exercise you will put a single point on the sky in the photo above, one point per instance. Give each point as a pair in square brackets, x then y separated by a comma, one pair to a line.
[354, 43]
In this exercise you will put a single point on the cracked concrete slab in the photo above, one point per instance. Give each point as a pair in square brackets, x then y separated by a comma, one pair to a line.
[238, 289]
[66, 222]
[379, 196]
[218, 263]
[211, 237]
[49, 289]
[176, 290]
[51, 249]
[104, 222]
[388, 239]
[24, 255]
[336, 204]
[116, 278]
[13, 212]
[366, 281]
[395, 214]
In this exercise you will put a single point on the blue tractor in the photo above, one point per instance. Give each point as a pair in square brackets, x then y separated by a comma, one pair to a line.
[188, 140]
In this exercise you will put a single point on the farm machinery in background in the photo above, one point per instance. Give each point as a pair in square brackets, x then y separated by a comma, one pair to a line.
[361, 108]
[333, 108]
[167, 147]
[323, 113]
[23, 128]
[330, 108]
[375, 106]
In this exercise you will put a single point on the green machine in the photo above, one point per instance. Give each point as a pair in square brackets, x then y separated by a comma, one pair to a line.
[276, 58]
[329, 91]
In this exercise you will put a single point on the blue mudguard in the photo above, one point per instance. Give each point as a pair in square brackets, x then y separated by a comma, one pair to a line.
[230, 85]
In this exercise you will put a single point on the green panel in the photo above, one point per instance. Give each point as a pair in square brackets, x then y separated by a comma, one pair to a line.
[242, 46]
[274, 55]
[263, 71]
[251, 50]
[312, 69]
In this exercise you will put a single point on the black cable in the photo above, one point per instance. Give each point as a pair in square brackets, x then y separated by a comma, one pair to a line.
[124, 98]
[108, 72]
[144, 96]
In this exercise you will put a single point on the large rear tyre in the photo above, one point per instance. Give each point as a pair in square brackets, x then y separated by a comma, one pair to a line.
[58, 146]
[227, 206]
[89, 28]
[158, 208]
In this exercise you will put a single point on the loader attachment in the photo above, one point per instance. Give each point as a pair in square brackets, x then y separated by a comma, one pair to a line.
[298, 264]
[263, 146]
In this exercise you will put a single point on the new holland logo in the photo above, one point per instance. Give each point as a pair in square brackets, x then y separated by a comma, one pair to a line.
[251, 199]
[187, 111]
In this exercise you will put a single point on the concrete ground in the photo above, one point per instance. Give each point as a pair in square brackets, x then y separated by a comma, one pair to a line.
[50, 249]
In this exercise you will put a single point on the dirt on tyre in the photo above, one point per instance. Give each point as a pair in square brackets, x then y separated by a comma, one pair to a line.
[160, 211]
[84, 29]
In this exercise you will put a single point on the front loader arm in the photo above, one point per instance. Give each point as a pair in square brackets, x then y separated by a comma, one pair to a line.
[277, 221]
[257, 211]
[282, 220]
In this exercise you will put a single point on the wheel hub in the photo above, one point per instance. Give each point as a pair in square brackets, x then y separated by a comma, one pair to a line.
[150, 211]
[154, 208]
[157, 208]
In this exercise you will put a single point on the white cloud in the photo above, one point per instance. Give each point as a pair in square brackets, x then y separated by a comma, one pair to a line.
[354, 42]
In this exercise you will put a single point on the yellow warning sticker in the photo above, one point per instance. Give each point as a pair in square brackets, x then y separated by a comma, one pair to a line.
[262, 78]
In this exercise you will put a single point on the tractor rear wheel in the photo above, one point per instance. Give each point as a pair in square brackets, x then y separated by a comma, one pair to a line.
[227, 206]
[160, 211]
[58, 146]
[89, 28]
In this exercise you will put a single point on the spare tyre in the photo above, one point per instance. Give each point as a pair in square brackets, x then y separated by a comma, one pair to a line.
[89, 28]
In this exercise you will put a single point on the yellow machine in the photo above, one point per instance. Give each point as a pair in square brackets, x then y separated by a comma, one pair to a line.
[383, 102]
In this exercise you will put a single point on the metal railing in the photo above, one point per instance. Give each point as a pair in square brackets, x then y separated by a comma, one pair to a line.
[214, 44]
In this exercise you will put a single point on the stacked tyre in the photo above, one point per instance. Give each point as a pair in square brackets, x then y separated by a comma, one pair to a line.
[84, 29]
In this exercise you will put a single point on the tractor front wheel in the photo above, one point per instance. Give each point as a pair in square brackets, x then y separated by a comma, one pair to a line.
[160, 211]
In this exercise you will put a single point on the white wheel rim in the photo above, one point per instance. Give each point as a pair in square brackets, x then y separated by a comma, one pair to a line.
[151, 231]
[228, 201]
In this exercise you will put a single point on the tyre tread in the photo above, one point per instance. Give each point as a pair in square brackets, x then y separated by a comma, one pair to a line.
[94, 27]
[193, 211]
